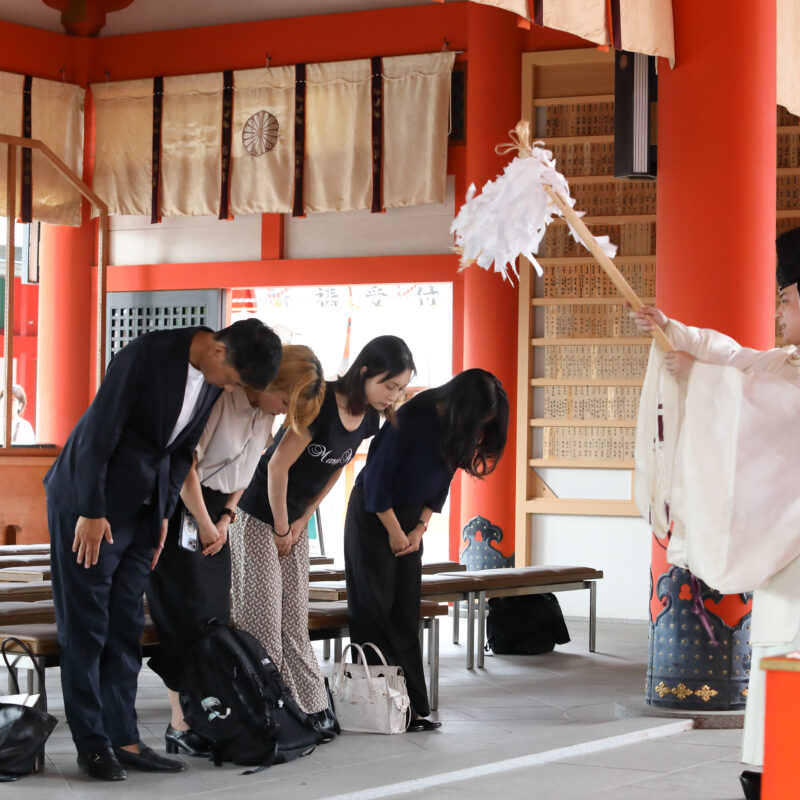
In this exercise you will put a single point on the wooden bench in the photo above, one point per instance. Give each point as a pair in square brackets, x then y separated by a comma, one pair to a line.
[25, 591]
[476, 586]
[25, 560]
[33, 623]
[24, 549]
[440, 588]
[509, 581]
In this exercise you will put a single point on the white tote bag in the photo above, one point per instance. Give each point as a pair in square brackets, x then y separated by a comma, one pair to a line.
[368, 698]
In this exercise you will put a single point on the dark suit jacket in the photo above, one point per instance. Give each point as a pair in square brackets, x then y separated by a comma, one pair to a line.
[117, 455]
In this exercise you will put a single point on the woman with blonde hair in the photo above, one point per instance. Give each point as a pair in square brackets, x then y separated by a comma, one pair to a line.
[192, 580]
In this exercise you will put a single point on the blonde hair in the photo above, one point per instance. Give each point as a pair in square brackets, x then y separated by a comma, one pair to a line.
[300, 377]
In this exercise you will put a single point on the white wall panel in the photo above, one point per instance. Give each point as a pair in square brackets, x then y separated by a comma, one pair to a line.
[184, 240]
[413, 231]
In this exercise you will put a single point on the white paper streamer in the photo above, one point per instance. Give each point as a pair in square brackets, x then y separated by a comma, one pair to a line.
[509, 217]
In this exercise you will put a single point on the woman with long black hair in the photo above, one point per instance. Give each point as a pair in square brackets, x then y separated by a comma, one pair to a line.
[269, 540]
[460, 425]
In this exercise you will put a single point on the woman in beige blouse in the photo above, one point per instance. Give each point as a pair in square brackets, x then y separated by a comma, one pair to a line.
[191, 583]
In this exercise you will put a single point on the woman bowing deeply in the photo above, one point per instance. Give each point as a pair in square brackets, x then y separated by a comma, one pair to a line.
[461, 425]
[269, 540]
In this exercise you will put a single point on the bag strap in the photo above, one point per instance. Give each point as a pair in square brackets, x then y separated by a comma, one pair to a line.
[362, 662]
[27, 651]
[378, 651]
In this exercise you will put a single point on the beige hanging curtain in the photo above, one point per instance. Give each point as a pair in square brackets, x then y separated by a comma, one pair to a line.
[338, 162]
[262, 147]
[416, 93]
[57, 119]
[191, 155]
[123, 145]
[11, 124]
[788, 89]
[641, 26]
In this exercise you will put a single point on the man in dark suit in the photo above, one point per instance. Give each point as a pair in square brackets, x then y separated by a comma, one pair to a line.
[109, 496]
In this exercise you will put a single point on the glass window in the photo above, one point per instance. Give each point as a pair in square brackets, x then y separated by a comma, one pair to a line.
[336, 322]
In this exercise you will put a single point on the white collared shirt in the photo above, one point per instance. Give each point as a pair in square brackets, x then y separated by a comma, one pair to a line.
[234, 437]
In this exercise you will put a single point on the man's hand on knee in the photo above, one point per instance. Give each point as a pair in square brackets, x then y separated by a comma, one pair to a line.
[89, 533]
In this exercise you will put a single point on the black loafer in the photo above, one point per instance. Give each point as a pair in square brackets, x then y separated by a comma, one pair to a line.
[187, 742]
[422, 724]
[147, 760]
[751, 784]
[103, 765]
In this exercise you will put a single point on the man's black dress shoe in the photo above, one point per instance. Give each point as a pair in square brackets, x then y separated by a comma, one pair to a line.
[103, 765]
[422, 724]
[751, 784]
[326, 725]
[188, 742]
[147, 760]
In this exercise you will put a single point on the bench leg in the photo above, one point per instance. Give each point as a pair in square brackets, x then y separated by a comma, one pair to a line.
[456, 618]
[470, 630]
[592, 615]
[433, 654]
[326, 649]
[337, 649]
[481, 627]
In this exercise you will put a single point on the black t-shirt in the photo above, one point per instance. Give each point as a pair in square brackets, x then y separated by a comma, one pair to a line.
[331, 447]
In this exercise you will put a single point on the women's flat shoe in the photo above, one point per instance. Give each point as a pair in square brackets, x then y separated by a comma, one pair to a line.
[751, 784]
[422, 724]
[186, 742]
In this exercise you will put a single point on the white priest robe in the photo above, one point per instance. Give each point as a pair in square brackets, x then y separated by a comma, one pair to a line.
[718, 463]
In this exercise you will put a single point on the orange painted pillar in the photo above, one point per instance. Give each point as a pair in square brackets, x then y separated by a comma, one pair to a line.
[780, 734]
[494, 45]
[716, 190]
[66, 320]
[716, 171]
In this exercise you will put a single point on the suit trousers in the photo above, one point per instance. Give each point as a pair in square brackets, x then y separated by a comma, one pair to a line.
[383, 593]
[100, 618]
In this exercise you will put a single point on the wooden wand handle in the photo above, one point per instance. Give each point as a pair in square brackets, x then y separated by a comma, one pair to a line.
[606, 263]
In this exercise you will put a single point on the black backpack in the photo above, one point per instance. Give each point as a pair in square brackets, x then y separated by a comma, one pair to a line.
[232, 694]
[528, 624]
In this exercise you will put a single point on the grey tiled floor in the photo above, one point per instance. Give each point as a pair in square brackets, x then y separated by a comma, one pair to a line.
[524, 707]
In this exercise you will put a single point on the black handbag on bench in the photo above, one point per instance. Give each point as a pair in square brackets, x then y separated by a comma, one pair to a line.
[23, 729]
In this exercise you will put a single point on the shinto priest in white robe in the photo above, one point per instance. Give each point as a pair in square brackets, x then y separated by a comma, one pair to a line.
[718, 461]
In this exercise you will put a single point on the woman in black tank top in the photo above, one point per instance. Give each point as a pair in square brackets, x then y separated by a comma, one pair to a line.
[269, 540]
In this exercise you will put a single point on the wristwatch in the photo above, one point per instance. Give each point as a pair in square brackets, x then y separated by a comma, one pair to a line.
[229, 512]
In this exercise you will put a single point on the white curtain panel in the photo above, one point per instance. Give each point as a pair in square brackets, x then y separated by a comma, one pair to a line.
[262, 146]
[191, 152]
[123, 145]
[338, 163]
[416, 102]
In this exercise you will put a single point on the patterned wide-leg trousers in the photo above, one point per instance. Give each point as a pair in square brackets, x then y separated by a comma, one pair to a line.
[270, 601]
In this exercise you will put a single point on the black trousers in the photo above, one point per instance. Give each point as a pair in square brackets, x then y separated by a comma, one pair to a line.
[185, 590]
[383, 593]
[100, 618]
